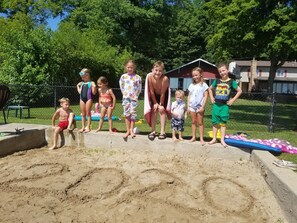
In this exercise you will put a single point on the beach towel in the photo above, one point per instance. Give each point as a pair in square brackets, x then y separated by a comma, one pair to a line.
[148, 104]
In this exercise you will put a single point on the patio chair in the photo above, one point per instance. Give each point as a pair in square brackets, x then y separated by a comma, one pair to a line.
[4, 96]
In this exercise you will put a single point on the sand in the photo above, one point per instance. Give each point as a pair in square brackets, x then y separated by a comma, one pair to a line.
[122, 185]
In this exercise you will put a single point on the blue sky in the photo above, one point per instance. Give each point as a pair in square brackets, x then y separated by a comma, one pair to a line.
[52, 22]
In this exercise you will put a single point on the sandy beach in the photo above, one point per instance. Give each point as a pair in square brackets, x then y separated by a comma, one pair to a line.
[123, 185]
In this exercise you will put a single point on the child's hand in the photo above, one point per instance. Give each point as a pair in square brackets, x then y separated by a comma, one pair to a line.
[156, 107]
[230, 102]
[161, 108]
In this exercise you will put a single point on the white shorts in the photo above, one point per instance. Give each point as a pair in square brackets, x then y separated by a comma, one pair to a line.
[191, 109]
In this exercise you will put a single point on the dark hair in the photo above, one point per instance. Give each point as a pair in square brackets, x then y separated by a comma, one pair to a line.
[103, 80]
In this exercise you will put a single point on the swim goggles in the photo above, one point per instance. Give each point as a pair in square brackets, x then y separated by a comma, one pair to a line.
[81, 73]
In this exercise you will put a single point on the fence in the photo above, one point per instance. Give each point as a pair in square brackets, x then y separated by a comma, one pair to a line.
[253, 111]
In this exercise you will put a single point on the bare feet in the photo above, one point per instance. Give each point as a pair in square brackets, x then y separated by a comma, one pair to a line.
[224, 144]
[193, 139]
[180, 139]
[87, 130]
[81, 130]
[70, 129]
[174, 138]
[202, 143]
[213, 141]
[132, 133]
[126, 135]
[98, 130]
[53, 147]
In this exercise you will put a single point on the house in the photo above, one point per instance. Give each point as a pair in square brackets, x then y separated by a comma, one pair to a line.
[181, 77]
[253, 76]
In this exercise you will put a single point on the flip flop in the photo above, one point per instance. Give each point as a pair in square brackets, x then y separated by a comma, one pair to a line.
[285, 164]
[152, 136]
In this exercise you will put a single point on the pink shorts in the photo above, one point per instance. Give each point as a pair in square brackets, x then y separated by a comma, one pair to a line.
[63, 124]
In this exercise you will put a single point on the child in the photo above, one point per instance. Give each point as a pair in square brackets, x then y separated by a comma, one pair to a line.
[157, 99]
[86, 89]
[130, 84]
[196, 103]
[178, 109]
[66, 119]
[107, 102]
[221, 101]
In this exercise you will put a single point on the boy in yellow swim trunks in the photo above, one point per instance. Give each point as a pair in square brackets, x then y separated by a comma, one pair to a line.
[222, 102]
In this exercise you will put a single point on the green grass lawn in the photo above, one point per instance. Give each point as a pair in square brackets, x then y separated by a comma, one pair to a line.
[245, 116]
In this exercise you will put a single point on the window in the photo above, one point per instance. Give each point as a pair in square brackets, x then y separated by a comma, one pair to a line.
[280, 73]
[285, 88]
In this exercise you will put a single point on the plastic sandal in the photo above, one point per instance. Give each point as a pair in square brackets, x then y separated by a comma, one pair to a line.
[162, 136]
[152, 136]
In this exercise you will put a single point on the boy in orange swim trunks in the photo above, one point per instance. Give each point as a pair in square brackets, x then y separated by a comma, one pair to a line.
[66, 119]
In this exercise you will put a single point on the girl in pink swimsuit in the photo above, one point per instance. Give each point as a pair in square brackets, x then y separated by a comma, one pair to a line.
[107, 102]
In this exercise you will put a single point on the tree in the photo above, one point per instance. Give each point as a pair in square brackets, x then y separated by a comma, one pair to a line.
[186, 40]
[261, 29]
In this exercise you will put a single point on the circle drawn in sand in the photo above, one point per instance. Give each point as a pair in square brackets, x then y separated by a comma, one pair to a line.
[98, 183]
[227, 195]
[150, 177]
[41, 170]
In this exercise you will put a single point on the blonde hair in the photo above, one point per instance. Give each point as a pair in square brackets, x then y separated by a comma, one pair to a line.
[181, 92]
[130, 61]
[159, 63]
[62, 100]
[200, 70]
[222, 65]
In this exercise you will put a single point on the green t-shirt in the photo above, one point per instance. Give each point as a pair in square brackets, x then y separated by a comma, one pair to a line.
[223, 89]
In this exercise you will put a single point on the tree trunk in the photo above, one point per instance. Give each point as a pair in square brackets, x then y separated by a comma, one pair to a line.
[274, 65]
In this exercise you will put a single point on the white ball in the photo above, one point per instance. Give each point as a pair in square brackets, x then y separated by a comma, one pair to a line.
[136, 130]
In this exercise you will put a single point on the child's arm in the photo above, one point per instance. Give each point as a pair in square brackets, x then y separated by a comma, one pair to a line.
[94, 88]
[152, 92]
[164, 88]
[186, 111]
[56, 114]
[172, 110]
[211, 94]
[239, 92]
[139, 86]
[122, 84]
[113, 98]
[188, 103]
[78, 87]
[99, 98]
[205, 95]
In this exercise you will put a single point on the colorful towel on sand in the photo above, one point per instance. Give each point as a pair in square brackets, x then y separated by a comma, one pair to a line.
[283, 145]
[148, 103]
